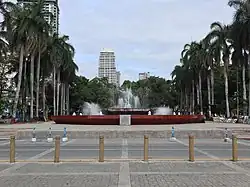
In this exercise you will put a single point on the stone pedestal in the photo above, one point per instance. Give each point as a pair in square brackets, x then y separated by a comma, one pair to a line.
[125, 120]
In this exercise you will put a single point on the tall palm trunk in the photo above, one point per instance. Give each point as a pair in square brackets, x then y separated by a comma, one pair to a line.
[237, 90]
[67, 98]
[226, 86]
[54, 90]
[20, 70]
[62, 97]
[193, 95]
[209, 96]
[38, 81]
[44, 96]
[249, 84]
[58, 92]
[200, 93]
[25, 90]
[212, 86]
[32, 86]
[186, 99]
[244, 88]
[197, 94]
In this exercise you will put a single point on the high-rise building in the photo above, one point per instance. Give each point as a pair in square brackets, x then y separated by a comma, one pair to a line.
[50, 8]
[144, 75]
[107, 67]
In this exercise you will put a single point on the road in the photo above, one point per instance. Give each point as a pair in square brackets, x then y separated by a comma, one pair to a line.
[126, 149]
[119, 172]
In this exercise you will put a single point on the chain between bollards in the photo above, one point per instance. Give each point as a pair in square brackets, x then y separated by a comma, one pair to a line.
[145, 148]
[12, 149]
[191, 148]
[234, 149]
[57, 150]
[101, 149]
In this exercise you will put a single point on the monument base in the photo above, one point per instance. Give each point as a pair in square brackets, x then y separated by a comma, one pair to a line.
[125, 120]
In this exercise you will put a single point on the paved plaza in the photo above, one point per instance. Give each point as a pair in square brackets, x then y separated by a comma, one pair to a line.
[126, 174]
[123, 166]
[168, 163]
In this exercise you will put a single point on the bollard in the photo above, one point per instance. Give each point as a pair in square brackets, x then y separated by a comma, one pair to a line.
[226, 139]
[12, 149]
[191, 148]
[101, 149]
[234, 149]
[65, 138]
[145, 148]
[34, 135]
[49, 138]
[57, 150]
[172, 138]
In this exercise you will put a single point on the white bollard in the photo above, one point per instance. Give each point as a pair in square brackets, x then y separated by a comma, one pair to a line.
[34, 135]
[172, 138]
[50, 138]
[65, 138]
[226, 139]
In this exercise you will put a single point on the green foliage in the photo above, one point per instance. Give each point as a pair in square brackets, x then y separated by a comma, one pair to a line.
[97, 91]
[153, 92]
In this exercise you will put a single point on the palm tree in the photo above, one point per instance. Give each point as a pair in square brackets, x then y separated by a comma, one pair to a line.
[240, 34]
[219, 38]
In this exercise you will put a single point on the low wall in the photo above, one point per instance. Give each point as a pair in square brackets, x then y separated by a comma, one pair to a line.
[127, 134]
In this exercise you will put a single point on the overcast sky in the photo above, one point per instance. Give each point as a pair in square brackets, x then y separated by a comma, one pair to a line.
[146, 35]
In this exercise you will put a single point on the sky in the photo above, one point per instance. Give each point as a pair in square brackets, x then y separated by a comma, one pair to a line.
[146, 35]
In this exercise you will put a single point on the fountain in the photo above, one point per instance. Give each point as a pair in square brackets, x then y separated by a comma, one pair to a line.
[128, 104]
[91, 109]
[127, 112]
[163, 111]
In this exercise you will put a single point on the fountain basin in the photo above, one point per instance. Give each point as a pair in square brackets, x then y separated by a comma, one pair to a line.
[87, 119]
[135, 119]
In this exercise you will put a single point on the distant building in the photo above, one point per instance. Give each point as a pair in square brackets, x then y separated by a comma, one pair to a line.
[144, 75]
[50, 7]
[107, 66]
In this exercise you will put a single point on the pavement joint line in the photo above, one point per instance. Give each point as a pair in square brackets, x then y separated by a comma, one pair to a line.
[66, 149]
[184, 173]
[124, 173]
[59, 174]
[50, 161]
[226, 163]
[19, 165]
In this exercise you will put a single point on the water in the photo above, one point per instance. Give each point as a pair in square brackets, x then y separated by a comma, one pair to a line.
[163, 111]
[128, 100]
[91, 109]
